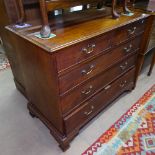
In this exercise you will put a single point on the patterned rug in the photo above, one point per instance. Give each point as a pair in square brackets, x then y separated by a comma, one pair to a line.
[133, 133]
[4, 63]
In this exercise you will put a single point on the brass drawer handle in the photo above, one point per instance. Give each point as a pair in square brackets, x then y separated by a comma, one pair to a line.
[128, 49]
[86, 72]
[107, 87]
[86, 92]
[132, 31]
[123, 84]
[89, 112]
[89, 49]
[123, 67]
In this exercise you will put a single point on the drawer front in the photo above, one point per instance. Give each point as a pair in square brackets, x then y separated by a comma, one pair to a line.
[99, 101]
[84, 50]
[124, 33]
[79, 52]
[75, 97]
[97, 65]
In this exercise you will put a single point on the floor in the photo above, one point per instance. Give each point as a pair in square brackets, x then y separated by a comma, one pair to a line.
[20, 134]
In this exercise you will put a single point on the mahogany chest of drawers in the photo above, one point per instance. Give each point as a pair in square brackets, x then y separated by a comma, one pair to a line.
[70, 78]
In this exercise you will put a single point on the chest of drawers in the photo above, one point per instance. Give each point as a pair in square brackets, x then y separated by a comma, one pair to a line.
[70, 78]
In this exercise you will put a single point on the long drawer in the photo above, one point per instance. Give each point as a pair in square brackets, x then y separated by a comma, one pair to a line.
[80, 94]
[79, 52]
[86, 49]
[99, 101]
[92, 68]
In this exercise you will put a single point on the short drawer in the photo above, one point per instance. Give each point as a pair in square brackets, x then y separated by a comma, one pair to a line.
[92, 68]
[82, 51]
[74, 98]
[99, 101]
[124, 33]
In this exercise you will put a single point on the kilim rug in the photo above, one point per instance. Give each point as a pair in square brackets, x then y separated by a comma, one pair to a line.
[133, 133]
[4, 63]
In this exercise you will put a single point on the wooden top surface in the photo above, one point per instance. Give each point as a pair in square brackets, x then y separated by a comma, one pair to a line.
[73, 34]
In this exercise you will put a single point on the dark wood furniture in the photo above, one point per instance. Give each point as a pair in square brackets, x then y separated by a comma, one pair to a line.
[7, 16]
[10, 13]
[152, 62]
[147, 6]
[23, 11]
[70, 78]
[151, 48]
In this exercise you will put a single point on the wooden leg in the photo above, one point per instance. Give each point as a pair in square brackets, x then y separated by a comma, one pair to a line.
[125, 8]
[32, 114]
[114, 12]
[64, 143]
[100, 5]
[64, 147]
[46, 30]
[63, 140]
[133, 2]
[152, 64]
[22, 13]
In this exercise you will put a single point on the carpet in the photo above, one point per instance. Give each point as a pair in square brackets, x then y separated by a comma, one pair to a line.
[4, 63]
[133, 133]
